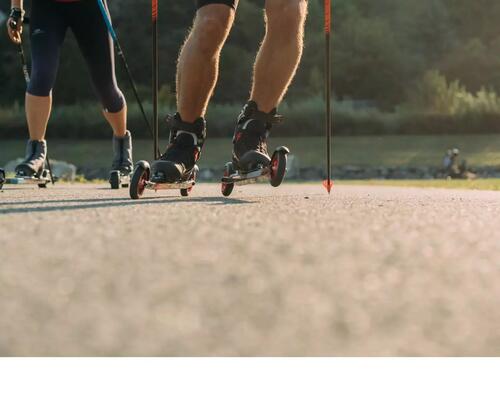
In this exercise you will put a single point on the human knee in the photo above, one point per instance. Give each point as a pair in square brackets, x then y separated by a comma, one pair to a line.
[112, 99]
[211, 28]
[41, 82]
[287, 15]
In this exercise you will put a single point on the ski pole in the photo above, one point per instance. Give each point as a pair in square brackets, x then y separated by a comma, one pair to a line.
[328, 83]
[120, 53]
[24, 65]
[20, 51]
[154, 19]
[49, 166]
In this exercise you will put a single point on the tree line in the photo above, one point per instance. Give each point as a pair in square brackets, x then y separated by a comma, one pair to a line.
[383, 50]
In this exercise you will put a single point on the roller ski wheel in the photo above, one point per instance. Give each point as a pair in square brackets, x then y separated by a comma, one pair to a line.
[227, 188]
[185, 192]
[277, 169]
[119, 180]
[45, 177]
[139, 180]
[114, 179]
[2, 178]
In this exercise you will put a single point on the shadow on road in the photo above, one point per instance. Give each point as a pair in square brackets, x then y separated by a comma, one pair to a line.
[110, 203]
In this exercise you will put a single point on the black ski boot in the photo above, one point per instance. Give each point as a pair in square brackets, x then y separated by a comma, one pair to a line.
[178, 162]
[122, 154]
[250, 137]
[122, 167]
[34, 162]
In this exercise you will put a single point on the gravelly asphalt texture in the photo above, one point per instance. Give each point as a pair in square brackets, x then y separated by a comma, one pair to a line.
[288, 271]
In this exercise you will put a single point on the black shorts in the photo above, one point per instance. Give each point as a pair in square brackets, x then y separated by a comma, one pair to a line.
[230, 3]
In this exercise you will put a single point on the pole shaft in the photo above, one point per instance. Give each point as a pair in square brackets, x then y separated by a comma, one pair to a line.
[328, 87]
[114, 36]
[24, 64]
[49, 166]
[154, 9]
[132, 84]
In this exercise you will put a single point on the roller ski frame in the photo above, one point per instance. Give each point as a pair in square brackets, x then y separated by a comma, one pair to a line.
[141, 178]
[274, 173]
[41, 180]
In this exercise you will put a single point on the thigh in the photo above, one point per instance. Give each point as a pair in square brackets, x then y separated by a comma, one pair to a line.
[47, 31]
[92, 36]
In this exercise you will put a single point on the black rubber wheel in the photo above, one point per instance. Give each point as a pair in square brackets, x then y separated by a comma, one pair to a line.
[278, 168]
[139, 180]
[42, 185]
[114, 180]
[227, 188]
[2, 178]
[186, 191]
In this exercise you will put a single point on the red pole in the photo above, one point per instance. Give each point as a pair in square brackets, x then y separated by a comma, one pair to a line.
[328, 183]
[154, 15]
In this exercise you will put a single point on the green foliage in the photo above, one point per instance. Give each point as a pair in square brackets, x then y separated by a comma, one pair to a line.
[380, 49]
[386, 55]
[434, 94]
[470, 114]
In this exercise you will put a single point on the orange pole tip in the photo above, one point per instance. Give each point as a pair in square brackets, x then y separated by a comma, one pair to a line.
[328, 185]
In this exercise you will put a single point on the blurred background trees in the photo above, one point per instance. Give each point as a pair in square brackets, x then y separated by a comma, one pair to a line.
[391, 56]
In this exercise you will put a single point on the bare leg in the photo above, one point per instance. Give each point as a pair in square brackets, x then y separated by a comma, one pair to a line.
[280, 53]
[117, 121]
[198, 65]
[37, 115]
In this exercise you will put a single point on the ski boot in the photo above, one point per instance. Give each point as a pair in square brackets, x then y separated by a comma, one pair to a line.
[251, 162]
[32, 169]
[34, 161]
[122, 167]
[176, 168]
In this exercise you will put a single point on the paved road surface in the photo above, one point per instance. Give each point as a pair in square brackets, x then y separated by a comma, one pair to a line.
[288, 271]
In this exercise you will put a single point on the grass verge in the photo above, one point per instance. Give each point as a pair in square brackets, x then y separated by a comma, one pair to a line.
[479, 184]
[479, 150]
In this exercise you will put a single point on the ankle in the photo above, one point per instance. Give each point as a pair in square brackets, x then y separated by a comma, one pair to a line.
[251, 111]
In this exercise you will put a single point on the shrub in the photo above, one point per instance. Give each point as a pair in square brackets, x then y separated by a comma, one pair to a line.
[466, 115]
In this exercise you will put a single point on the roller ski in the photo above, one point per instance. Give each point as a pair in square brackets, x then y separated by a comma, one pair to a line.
[251, 162]
[176, 169]
[35, 169]
[121, 170]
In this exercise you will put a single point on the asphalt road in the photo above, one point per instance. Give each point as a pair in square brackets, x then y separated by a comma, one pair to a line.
[288, 271]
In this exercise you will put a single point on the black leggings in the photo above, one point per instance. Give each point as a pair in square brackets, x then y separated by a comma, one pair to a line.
[49, 23]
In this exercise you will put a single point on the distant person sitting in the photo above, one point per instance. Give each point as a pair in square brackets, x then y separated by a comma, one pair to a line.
[453, 168]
